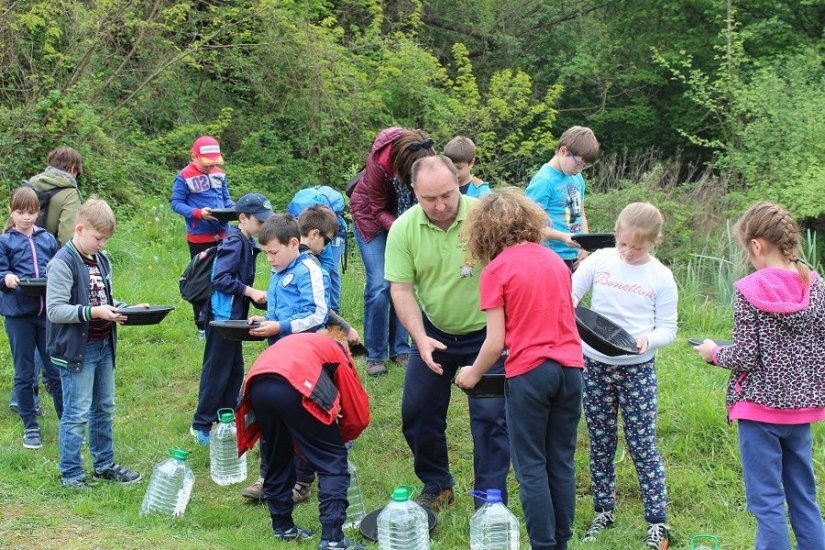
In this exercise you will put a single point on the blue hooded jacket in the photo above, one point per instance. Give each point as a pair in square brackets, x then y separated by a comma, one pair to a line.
[25, 257]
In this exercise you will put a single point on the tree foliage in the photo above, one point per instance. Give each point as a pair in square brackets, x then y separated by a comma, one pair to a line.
[297, 90]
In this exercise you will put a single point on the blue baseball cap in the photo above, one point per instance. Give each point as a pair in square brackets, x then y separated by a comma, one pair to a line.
[254, 204]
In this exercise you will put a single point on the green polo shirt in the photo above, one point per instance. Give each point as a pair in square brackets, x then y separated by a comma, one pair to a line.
[433, 260]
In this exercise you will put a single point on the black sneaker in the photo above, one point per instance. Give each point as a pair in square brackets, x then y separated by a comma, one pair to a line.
[344, 544]
[118, 474]
[32, 439]
[657, 536]
[603, 520]
[294, 533]
[436, 501]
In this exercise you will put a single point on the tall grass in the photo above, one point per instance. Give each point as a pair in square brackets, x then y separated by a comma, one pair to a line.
[157, 383]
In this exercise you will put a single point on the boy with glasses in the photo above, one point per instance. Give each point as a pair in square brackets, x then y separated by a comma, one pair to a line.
[558, 187]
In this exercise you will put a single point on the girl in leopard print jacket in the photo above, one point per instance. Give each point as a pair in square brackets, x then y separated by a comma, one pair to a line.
[777, 383]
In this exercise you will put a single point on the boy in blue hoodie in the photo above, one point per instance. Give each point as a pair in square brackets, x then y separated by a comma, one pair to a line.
[232, 277]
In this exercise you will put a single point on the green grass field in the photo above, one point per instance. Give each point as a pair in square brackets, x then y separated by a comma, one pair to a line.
[157, 379]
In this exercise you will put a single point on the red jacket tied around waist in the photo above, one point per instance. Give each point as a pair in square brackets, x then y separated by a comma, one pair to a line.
[318, 368]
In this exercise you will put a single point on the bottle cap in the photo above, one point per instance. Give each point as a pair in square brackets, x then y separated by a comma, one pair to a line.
[179, 454]
[400, 494]
[490, 496]
[226, 415]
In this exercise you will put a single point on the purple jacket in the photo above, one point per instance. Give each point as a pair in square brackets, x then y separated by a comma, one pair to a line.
[777, 361]
[373, 203]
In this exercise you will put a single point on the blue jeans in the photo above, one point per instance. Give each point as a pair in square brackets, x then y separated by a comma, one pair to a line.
[778, 468]
[384, 336]
[543, 411]
[27, 340]
[338, 246]
[88, 397]
[424, 404]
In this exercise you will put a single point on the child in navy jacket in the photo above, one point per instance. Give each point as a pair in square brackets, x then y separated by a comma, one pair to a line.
[25, 249]
[232, 277]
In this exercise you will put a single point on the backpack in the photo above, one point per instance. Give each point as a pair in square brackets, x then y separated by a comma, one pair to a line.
[323, 195]
[195, 283]
[43, 197]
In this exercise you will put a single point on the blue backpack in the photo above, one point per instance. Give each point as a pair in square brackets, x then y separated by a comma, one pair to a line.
[323, 195]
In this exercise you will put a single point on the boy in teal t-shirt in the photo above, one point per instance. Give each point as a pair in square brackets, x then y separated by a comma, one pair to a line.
[462, 151]
[558, 187]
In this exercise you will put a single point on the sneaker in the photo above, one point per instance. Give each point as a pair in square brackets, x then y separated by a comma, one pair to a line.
[603, 520]
[294, 533]
[657, 536]
[254, 491]
[13, 407]
[32, 439]
[401, 360]
[79, 483]
[376, 368]
[301, 492]
[118, 474]
[201, 334]
[437, 501]
[345, 543]
[201, 437]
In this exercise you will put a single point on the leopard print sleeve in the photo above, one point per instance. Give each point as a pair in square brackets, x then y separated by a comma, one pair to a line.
[744, 354]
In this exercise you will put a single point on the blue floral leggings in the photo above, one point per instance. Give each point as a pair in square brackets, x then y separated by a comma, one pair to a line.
[633, 389]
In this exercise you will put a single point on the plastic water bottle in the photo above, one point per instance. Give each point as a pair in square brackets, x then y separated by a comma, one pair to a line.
[704, 542]
[402, 524]
[493, 526]
[225, 465]
[355, 510]
[170, 487]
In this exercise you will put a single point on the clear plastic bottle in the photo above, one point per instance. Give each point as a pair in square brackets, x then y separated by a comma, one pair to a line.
[402, 524]
[493, 526]
[356, 510]
[170, 487]
[225, 466]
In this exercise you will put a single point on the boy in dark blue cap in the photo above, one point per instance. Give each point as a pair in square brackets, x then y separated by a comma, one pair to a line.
[232, 278]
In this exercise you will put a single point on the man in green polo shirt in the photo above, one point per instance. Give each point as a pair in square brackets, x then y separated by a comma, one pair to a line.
[434, 289]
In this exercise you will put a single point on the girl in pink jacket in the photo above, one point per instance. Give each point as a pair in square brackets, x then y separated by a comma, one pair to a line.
[777, 383]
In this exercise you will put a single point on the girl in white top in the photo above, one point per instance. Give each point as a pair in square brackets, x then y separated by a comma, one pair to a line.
[634, 290]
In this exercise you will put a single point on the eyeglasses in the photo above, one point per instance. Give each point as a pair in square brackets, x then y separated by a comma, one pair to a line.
[327, 239]
[415, 147]
[579, 165]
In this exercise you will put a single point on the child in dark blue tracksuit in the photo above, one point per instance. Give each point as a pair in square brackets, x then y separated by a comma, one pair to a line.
[232, 276]
[25, 249]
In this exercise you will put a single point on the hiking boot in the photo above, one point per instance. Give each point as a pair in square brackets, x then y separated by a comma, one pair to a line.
[201, 436]
[401, 360]
[78, 483]
[345, 543]
[32, 439]
[436, 501]
[376, 368]
[118, 474]
[657, 536]
[301, 492]
[603, 520]
[255, 491]
[293, 533]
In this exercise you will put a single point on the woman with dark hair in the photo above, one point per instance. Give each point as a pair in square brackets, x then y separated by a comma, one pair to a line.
[382, 194]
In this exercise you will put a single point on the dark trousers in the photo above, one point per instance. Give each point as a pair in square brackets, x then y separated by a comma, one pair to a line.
[194, 250]
[424, 405]
[543, 411]
[27, 336]
[221, 379]
[284, 422]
